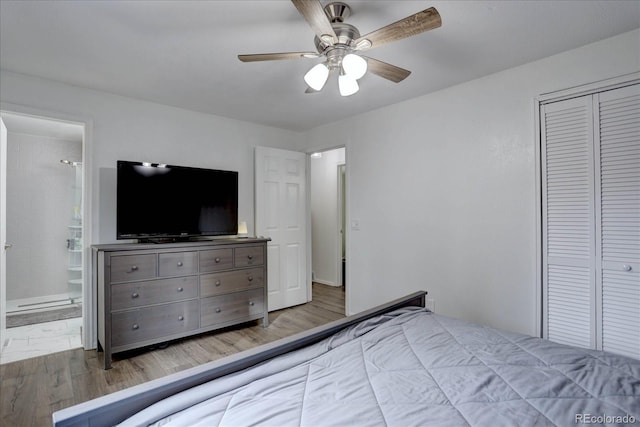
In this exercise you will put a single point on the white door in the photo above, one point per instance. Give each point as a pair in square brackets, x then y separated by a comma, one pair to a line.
[618, 219]
[569, 253]
[3, 231]
[591, 220]
[281, 214]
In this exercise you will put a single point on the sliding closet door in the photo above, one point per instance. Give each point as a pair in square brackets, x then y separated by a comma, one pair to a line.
[618, 120]
[568, 222]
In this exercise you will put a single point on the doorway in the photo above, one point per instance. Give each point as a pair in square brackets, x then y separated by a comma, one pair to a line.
[328, 213]
[44, 236]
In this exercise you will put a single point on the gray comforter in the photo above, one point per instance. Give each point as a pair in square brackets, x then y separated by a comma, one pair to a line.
[412, 367]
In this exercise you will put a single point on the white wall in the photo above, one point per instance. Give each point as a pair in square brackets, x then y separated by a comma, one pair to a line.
[40, 198]
[444, 188]
[129, 129]
[324, 216]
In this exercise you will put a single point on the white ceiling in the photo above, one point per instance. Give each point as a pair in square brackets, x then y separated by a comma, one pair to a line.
[184, 53]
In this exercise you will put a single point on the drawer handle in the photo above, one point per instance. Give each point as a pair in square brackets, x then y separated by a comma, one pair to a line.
[134, 295]
[180, 289]
[626, 267]
[181, 318]
[135, 326]
[217, 260]
[251, 303]
[179, 263]
[218, 283]
[250, 278]
[134, 268]
[218, 310]
[250, 257]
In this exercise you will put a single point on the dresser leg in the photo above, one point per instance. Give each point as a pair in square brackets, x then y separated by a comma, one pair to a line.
[107, 360]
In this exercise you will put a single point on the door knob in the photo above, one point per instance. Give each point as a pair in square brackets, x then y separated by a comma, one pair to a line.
[8, 245]
[626, 267]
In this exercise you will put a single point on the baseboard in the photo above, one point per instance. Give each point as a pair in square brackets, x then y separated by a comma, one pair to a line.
[30, 318]
[325, 282]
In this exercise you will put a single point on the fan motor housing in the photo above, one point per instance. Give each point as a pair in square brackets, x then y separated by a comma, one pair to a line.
[337, 12]
[346, 35]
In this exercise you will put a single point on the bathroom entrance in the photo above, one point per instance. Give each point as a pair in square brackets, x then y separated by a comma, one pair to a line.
[44, 236]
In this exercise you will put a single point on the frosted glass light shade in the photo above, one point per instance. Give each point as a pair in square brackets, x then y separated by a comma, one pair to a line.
[354, 66]
[347, 85]
[317, 76]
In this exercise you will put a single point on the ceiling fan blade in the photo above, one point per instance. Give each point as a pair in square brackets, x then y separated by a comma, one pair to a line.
[387, 71]
[417, 23]
[276, 56]
[314, 14]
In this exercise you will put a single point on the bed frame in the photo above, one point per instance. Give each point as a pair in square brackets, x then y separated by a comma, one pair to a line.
[116, 407]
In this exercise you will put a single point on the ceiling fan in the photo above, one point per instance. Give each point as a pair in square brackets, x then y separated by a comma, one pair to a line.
[341, 45]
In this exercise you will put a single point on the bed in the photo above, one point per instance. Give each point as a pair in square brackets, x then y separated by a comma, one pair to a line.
[397, 364]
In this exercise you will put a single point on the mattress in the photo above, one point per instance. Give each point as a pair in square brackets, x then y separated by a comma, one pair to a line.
[412, 367]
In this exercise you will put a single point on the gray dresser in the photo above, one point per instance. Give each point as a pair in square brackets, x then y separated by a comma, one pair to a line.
[152, 293]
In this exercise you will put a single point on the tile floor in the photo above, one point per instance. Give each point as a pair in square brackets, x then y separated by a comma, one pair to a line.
[29, 341]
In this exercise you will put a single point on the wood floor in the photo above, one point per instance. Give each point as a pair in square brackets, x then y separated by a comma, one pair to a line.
[31, 390]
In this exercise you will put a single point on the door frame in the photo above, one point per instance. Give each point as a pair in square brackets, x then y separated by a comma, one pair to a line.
[347, 295]
[342, 218]
[89, 297]
[3, 231]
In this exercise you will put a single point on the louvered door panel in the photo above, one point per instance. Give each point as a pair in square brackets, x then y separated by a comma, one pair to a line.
[619, 209]
[568, 221]
[620, 312]
[569, 302]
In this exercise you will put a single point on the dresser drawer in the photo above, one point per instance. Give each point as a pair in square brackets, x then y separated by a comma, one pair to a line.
[216, 260]
[177, 264]
[125, 268]
[137, 294]
[229, 307]
[252, 255]
[144, 324]
[230, 281]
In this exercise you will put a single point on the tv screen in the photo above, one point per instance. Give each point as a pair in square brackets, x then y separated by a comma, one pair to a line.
[164, 201]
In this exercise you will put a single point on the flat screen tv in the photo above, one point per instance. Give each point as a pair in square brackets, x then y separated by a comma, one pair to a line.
[158, 201]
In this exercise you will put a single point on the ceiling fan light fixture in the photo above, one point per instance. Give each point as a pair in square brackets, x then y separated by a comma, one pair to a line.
[347, 85]
[354, 65]
[317, 76]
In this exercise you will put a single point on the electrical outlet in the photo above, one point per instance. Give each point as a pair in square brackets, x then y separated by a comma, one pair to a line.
[430, 305]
